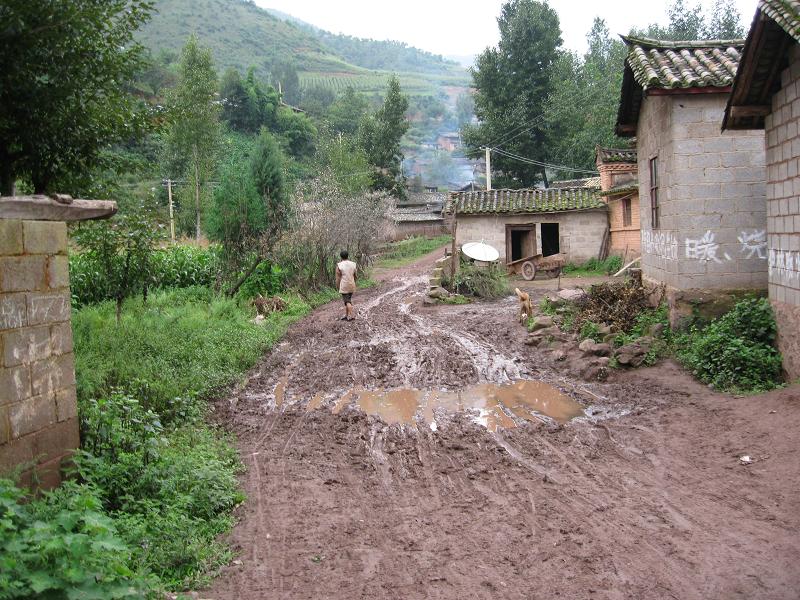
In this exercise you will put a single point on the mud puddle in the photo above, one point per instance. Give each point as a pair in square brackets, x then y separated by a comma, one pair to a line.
[491, 405]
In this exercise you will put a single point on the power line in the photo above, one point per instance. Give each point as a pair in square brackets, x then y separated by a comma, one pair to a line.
[539, 163]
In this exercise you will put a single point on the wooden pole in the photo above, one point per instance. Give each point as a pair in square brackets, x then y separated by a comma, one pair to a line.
[171, 212]
[196, 196]
[488, 168]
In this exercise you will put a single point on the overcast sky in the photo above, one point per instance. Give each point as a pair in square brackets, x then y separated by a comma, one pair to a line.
[456, 27]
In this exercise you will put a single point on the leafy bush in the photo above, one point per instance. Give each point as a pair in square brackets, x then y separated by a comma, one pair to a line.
[482, 282]
[63, 546]
[590, 330]
[267, 279]
[735, 352]
[176, 266]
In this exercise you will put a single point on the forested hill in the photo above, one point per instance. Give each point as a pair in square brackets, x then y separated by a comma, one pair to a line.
[241, 34]
[387, 55]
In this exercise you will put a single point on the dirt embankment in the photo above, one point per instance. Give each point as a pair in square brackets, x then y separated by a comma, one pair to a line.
[643, 498]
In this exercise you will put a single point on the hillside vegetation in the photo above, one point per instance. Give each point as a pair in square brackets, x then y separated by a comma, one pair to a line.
[242, 35]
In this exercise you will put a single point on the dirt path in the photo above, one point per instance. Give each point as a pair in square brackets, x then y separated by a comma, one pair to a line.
[645, 498]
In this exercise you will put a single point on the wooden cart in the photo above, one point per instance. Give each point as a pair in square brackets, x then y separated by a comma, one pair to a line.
[529, 266]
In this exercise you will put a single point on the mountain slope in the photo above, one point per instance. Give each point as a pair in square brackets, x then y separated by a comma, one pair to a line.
[242, 35]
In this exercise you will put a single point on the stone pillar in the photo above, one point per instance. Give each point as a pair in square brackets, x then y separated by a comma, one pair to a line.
[38, 405]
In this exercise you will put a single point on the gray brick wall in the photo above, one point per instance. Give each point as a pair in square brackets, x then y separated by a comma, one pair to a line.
[38, 409]
[580, 233]
[782, 130]
[712, 232]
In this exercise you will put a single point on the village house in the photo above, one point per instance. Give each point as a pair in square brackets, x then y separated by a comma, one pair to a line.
[703, 208]
[523, 223]
[619, 186]
[421, 215]
[766, 95]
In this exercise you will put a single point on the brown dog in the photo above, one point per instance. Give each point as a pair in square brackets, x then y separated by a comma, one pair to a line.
[264, 306]
[525, 306]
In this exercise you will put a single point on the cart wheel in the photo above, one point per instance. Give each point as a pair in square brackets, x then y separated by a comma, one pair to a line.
[528, 270]
[555, 272]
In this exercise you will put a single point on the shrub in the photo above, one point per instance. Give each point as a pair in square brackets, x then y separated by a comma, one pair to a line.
[590, 330]
[63, 546]
[609, 266]
[267, 279]
[482, 282]
[735, 352]
[409, 249]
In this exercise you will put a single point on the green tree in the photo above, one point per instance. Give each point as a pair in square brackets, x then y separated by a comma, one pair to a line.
[380, 136]
[465, 109]
[284, 77]
[512, 83]
[63, 98]
[689, 22]
[121, 252]
[346, 161]
[582, 108]
[193, 133]
[251, 208]
[317, 100]
[297, 132]
[345, 114]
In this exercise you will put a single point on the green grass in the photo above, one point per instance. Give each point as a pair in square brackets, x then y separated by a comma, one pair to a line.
[405, 252]
[594, 267]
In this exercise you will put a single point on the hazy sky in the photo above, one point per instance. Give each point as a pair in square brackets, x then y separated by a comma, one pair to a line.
[456, 27]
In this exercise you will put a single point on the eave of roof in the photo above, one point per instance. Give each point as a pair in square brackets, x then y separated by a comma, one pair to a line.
[775, 27]
[684, 67]
[621, 189]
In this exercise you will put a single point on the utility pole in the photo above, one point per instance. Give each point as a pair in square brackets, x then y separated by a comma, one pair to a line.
[488, 168]
[171, 213]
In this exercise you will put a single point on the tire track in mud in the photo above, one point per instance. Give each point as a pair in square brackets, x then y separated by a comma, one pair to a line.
[638, 505]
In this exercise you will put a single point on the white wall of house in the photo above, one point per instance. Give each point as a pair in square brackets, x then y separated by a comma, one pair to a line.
[581, 233]
[782, 128]
[712, 196]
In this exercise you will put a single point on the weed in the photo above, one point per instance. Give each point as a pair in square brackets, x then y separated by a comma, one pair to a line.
[482, 282]
[594, 267]
[407, 251]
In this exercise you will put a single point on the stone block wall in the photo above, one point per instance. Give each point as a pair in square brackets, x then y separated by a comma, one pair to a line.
[712, 194]
[38, 408]
[782, 129]
[581, 232]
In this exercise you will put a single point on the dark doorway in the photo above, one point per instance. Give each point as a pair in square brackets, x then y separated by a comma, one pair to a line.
[550, 239]
[519, 242]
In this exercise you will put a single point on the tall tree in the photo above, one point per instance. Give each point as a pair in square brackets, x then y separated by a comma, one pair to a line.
[250, 208]
[689, 22]
[63, 99]
[193, 133]
[582, 108]
[512, 83]
[346, 112]
[380, 136]
[284, 77]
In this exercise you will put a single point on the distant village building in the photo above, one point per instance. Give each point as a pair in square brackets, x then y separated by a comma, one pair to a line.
[619, 185]
[703, 208]
[448, 142]
[420, 215]
[523, 223]
[766, 95]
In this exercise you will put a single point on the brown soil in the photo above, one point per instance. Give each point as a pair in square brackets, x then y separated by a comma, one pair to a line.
[644, 498]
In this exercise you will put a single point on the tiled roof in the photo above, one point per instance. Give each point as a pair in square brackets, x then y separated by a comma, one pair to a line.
[416, 217]
[524, 201]
[586, 182]
[785, 13]
[617, 155]
[691, 64]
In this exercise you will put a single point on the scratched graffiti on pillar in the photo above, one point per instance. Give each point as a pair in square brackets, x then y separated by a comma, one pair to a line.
[664, 245]
[704, 248]
[784, 267]
[754, 243]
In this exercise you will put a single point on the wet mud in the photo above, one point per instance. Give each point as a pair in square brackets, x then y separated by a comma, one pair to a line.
[426, 452]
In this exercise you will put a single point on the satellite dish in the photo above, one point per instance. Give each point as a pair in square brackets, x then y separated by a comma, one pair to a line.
[480, 251]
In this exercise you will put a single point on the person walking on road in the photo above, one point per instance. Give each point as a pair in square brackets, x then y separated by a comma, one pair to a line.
[346, 282]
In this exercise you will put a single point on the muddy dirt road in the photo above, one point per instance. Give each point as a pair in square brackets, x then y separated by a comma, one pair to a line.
[644, 497]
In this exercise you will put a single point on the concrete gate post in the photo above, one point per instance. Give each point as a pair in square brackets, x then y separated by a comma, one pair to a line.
[38, 407]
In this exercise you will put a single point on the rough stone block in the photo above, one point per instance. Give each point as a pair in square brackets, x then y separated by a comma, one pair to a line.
[31, 415]
[23, 346]
[48, 308]
[57, 272]
[16, 452]
[5, 429]
[15, 384]
[13, 311]
[61, 339]
[52, 374]
[45, 237]
[22, 273]
[56, 441]
[10, 237]
[66, 403]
